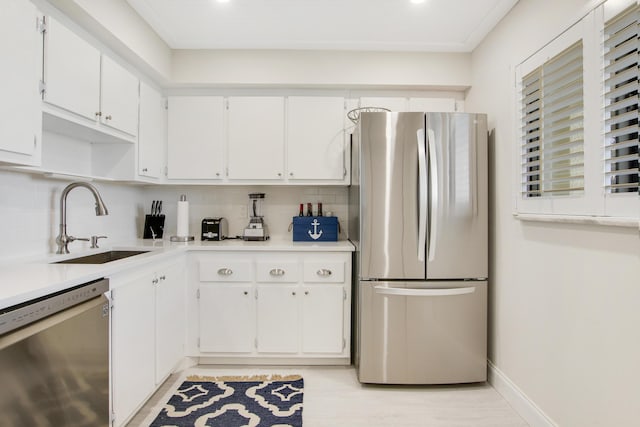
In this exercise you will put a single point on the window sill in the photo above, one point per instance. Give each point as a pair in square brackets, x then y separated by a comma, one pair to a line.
[577, 219]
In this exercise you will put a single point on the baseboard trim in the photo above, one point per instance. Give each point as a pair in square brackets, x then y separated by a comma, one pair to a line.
[525, 407]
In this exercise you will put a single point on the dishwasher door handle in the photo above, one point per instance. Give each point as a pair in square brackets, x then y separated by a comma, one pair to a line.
[422, 292]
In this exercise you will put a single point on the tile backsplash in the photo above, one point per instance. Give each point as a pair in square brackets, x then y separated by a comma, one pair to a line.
[232, 202]
[30, 210]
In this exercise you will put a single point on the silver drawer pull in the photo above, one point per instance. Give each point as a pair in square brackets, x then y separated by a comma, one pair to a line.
[324, 272]
[277, 272]
[225, 272]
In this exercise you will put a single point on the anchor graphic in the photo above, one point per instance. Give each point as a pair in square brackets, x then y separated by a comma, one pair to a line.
[315, 235]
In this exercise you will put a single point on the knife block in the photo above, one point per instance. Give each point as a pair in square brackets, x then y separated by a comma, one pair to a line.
[153, 227]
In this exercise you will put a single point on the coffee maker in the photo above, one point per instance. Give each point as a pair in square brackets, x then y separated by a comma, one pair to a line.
[256, 229]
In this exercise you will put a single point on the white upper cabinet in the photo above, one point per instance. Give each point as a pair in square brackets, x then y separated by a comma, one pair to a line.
[119, 97]
[20, 117]
[151, 136]
[195, 137]
[84, 83]
[316, 138]
[255, 138]
[71, 71]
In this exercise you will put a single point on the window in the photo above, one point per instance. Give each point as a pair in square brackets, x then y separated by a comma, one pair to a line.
[621, 103]
[578, 127]
[552, 151]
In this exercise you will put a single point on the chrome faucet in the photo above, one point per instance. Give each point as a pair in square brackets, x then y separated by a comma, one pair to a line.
[63, 239]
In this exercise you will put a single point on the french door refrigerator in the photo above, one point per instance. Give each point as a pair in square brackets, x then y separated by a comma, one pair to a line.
[418, 218]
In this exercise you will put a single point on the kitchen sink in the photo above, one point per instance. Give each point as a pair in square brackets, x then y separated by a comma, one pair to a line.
[101, 258]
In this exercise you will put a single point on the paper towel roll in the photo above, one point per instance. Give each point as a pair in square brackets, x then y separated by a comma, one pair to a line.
[183, 219]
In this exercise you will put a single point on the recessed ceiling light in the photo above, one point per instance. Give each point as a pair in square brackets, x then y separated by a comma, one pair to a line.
[417, 1]
[223, 1]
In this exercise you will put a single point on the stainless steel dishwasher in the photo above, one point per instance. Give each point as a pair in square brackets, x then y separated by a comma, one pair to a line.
[54, 359]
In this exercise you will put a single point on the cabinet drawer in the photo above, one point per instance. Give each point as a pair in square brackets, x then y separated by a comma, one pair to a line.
[320, 272]
[226, 271]
[277, 271]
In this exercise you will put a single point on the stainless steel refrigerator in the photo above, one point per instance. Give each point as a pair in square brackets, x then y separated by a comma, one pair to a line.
[418, 218]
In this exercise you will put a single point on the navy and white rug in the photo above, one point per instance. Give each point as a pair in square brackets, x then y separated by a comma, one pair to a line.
[257, 401]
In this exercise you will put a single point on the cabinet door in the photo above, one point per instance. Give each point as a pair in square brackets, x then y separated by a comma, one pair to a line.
[171, 314]
[133, 344]
[256, 138]
[195, 137]
[151, 136]
[20, 100]
[227, 318]
[322, 319]
[72, 71]
[277, 319]
[315, 138]
[118, 97]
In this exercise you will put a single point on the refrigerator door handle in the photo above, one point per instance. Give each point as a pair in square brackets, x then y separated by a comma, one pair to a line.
[435, 208]
[421, 292]
[422, 195]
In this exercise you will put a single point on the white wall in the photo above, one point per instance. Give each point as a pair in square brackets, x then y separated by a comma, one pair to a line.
[279, 206]
[291, 68]
[30, 214]
[30, 211]
[564, 299]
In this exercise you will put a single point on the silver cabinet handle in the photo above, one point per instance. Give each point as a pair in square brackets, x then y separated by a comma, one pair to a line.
[293, 293]
[324, 272]
[155, 281]
[276, 272]
[163, 277]
[246, 292]
[145, 170]
[225, 272]
[108, 117]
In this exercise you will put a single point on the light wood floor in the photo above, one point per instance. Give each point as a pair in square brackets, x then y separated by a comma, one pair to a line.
[333, 397]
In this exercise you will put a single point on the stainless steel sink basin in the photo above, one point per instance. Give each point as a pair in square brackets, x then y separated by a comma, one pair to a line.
[102, 257]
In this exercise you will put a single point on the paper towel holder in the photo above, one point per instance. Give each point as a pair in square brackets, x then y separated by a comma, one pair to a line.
[183, 199]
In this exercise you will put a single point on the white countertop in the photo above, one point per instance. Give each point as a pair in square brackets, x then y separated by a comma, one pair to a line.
[21, 281]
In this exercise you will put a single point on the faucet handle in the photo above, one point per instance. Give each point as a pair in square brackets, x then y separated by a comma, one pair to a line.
[94, 241]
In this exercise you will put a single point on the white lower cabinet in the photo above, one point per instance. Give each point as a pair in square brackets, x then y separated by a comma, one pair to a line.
[272, 307]
[132, 343]
[171, 318]
[147, 333]
[227, 312]
[277, 315]
[322, 319]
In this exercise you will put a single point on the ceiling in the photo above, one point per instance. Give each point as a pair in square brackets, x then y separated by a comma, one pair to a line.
[370, 25]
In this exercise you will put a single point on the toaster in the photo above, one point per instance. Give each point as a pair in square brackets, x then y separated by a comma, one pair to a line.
[214, 229]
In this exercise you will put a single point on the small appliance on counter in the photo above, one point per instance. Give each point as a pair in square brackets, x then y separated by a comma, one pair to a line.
[257, 229]
[214, 229]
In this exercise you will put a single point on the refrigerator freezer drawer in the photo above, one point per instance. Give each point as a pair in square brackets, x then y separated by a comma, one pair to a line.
[422, 332]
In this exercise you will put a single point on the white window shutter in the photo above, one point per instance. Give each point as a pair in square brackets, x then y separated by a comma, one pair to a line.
[621, 112]
[552, 127]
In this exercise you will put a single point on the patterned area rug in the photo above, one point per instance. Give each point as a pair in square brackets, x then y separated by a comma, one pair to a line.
[257, 401]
